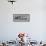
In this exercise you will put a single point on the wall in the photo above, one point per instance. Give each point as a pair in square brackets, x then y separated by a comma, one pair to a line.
[37, 25]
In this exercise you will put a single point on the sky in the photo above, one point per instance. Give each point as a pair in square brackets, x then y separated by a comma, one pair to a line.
[37, 25]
